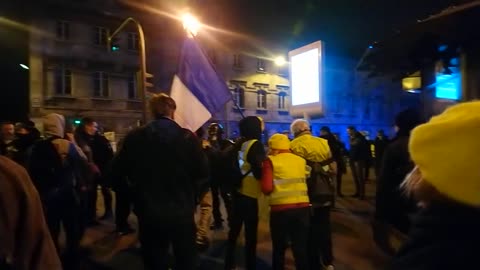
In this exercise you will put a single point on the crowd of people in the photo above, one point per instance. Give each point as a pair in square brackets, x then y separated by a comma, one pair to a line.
[166, 172]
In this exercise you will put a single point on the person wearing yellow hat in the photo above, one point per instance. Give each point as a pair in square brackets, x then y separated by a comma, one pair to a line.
[446, 184]
[284, 180]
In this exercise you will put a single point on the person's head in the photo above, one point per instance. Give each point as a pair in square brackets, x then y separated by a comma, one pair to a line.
[162, 105]
[351, 130]
[407, 120]
[7, 130]
[250, 128]
[215, 131]
[381, 133]
[443, 149]
[325, 131]
[89, 126]
[299, 127]
[278, 143]
[54, 125]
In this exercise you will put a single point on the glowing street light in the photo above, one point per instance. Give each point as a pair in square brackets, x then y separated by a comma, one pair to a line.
[191, 24]
[24, 66]
[280, 61]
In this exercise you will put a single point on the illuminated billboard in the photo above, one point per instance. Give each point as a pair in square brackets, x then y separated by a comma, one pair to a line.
[306, 80]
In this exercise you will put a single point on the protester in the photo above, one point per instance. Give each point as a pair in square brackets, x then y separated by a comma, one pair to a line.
[245, 199]
[54, 166]
[98, 147]
[392, 207]
[25, 137]
[284, 180]
[381, 142]
[337, 155]
[206, 201]
[219, 173]
[320, 190]
[445, 183]
[168, 171]
[359, 157]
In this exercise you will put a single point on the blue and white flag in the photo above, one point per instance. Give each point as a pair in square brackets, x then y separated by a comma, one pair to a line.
[197, 88]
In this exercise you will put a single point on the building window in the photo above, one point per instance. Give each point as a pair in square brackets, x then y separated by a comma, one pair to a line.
[133, 41]
[260, 65]
[100, 84]
[100, 36]
[63, 30]
[281, 100]
[239, 97]
[63, 81]
[261, 99]
[237, 61]
[132, 86]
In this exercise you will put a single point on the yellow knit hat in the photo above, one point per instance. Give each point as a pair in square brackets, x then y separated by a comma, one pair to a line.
[279, 142]
[447, 152]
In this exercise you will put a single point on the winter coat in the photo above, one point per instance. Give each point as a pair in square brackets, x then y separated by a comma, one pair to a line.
[444, 236]
[391, 204]
[359, 148]
[166, 168]
[25, 242]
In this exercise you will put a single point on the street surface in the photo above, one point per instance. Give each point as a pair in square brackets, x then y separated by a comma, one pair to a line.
[354, 248]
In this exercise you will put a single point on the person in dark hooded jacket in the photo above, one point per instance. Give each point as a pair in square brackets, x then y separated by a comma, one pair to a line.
[392, 207]
[245, 204]
[167, 171]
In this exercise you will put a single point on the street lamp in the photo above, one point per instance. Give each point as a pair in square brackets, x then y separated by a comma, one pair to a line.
[191, 24]
[143, 62]
[280, 61]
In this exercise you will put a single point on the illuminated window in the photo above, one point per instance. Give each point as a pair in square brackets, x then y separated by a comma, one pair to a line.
[239, 97]
[133, 41]
[100, 36]
[260, 65]
[261, 99]
[100, 84]
[63, 81]
[281, 100]
[132, 86]
[63, 30]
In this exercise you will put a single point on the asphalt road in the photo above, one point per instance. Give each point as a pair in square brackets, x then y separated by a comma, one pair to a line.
[354, 248]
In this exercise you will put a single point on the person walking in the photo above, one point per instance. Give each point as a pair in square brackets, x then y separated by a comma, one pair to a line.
[54, 165]
[359, 155]
[321, 192]
[168, 171]
[245, 200]
[284, 180]
[445, 183]
[337, 155]
[99, 149]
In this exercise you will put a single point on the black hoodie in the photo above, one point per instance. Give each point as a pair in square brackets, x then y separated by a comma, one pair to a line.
[251, 129]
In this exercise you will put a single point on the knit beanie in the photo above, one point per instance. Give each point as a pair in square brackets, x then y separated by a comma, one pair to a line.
[279, 142]
[446, 150]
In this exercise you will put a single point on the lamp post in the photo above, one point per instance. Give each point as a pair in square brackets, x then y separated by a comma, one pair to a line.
[143, 64]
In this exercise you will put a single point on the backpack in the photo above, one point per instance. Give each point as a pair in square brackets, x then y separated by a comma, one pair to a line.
[46, 168]
[232, 161]
[321, 188]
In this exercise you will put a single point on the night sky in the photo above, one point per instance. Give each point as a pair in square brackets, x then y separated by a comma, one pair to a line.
[347, 26]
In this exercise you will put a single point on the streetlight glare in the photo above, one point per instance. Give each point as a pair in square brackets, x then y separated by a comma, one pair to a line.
[24, 66]
[191, 24]
[280, 61]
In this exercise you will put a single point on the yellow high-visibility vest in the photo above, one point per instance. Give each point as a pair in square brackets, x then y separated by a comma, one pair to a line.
[250, 185]
[289, 179]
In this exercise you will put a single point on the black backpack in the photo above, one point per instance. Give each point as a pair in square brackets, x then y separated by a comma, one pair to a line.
[46, 168]
[232, 161]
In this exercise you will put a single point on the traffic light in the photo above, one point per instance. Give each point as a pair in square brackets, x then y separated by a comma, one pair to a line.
[147, 77]
[114, 44]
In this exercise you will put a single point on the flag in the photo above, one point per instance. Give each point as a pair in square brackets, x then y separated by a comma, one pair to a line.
[197, 88]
